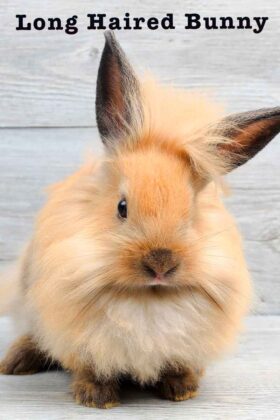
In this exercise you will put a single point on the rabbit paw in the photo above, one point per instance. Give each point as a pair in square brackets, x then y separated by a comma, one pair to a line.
[178, 386]
[24, 358]
[95, 394]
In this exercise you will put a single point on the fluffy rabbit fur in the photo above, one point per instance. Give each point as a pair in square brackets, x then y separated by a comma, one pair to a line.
[135, 267]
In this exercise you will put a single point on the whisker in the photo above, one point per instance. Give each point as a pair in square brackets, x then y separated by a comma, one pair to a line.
[219, 256]
[211, 235]
[211, 298]
[221, 284]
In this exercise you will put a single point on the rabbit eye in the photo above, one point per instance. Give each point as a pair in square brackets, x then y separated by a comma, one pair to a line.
[122, 209]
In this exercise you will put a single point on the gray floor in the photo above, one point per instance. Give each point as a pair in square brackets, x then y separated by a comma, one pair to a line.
[246, 385]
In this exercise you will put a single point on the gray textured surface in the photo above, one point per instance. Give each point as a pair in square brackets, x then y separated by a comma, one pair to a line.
[47, 78]
[245, 386]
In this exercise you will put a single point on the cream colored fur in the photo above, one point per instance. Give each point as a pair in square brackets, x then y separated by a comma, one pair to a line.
[80, 292]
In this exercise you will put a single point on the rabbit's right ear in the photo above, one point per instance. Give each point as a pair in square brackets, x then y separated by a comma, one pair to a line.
[247, 133]
[118, 103]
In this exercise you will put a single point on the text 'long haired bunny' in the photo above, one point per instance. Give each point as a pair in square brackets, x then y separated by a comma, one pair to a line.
[135, 267]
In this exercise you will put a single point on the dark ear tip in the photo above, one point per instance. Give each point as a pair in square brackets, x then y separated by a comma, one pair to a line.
[110, 37]
[276, 111]
[269, 112]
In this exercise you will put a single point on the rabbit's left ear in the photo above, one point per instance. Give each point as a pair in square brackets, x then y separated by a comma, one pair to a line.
[118, 103]
[248, 133]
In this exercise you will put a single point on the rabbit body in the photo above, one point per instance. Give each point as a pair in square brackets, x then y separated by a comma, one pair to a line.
[135, 266]
[75, 260]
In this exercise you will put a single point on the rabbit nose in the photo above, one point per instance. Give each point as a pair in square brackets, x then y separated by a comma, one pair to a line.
[160, 262]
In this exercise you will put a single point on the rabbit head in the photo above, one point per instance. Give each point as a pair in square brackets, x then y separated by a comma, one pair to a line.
[163, 148]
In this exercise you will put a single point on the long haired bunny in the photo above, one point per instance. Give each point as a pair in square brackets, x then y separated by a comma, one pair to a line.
[135, 268]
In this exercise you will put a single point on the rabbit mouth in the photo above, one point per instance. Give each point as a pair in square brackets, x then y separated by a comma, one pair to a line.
[158, 282]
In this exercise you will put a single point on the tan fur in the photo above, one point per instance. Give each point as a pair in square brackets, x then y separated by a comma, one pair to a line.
[85, 299]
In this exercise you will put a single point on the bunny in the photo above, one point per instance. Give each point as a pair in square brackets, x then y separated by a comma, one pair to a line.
[135, 268]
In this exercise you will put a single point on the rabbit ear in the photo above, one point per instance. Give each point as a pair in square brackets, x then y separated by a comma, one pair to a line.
[117, 93]
[248, 133]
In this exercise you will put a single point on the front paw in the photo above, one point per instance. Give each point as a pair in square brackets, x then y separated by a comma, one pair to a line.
[24, 358]
[92, 394]
[178, 386]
